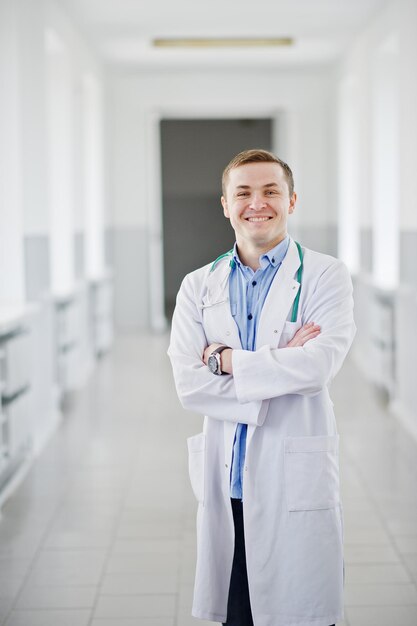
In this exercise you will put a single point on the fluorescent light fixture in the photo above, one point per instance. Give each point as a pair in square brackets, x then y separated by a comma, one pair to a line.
[222, 42]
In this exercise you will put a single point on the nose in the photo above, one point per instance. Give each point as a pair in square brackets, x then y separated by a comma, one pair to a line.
[257, 202]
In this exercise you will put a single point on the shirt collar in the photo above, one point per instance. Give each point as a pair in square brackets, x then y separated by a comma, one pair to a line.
[274, 257]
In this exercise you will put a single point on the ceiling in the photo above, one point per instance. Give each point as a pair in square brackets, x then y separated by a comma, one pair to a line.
[122, 30]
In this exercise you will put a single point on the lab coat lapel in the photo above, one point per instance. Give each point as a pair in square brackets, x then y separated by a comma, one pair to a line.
[279, 300]
[217, 305]
[277, 305]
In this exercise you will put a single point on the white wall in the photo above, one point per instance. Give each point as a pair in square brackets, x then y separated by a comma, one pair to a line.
[139, 98]
[361, 67]
[11, 211]
[36, 23]
[135, 96]
[378, 184]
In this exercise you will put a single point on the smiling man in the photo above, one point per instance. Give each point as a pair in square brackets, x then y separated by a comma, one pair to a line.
[257, 337]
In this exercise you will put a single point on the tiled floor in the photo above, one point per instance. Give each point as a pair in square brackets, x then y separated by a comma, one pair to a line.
[101, 533]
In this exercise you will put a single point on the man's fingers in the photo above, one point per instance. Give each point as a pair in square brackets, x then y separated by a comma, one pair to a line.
[304, 334]
[306, 330]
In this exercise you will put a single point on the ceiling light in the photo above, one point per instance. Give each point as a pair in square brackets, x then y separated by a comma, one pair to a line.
[223, 42]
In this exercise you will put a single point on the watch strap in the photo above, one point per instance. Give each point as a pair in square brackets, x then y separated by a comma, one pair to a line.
[219, 349]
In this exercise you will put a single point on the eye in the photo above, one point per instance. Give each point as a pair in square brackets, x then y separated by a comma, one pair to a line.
[271, 192]
[242, 194]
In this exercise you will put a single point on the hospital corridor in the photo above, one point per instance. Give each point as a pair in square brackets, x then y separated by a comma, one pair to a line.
[117, 121]
[102, 531]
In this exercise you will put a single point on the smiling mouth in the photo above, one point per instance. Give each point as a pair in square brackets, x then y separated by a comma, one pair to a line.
[257, 219]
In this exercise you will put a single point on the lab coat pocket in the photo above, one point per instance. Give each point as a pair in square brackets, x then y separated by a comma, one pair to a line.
[312, 472]
[288, 332]
[196, 463]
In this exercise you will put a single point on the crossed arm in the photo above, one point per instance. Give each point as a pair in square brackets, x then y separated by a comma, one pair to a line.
[303, 334]
[304, 367]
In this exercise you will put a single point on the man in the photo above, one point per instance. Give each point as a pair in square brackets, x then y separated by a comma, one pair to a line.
[257, 337]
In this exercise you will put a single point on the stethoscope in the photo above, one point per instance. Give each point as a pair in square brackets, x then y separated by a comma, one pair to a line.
[299, 276]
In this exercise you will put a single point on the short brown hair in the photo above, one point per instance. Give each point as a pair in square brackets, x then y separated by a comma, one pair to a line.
[257, 156]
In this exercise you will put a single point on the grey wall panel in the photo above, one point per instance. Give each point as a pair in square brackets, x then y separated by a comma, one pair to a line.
[131, 287]
[408, 258]
[108, 248]
[79, 256]
[37, 266]
[366, 250]
[323, 238]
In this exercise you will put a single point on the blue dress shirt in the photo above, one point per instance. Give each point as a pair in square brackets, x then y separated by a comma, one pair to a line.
[247, 293]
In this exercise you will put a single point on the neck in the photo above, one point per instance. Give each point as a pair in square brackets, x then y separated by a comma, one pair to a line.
[250, 252]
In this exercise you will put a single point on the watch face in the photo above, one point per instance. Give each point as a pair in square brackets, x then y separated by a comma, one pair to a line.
[212, 364]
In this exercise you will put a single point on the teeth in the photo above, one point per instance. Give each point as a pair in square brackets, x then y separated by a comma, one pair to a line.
[258, 219]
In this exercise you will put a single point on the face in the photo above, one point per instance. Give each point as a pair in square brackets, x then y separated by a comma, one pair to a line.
[258, 203]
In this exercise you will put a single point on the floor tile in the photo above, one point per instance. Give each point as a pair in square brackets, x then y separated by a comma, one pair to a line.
[146, 546]
[382, 615]
[49, 618]
[376, 573]
[193, 621]
[143, 621]
[410, 562]
[116, 607]
[406, 544]
[382, 594]
[366, 536]
[35, 597]
[126, 584]
[6, 604]
[370, 554]
[142, 564]
[89, 575]
[77, 540]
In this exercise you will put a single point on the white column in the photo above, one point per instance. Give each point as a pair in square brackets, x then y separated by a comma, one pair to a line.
[285, 141]
[408, 117]
[348, 175]
[93, 178]
[11, 212]
[60, 163]
[154, 203]
[385, 164]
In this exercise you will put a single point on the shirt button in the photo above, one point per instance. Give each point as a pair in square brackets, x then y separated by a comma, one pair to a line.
[226, 465]
[246, 468]
[227, 332]
[250, 316]
[273, 259]
[253, 283]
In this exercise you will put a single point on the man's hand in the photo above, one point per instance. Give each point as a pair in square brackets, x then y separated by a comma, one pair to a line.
[303, 334]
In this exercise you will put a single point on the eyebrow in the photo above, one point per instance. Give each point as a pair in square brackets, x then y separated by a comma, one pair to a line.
[264, 186]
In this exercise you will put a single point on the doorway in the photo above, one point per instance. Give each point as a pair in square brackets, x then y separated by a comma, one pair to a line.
[193, 156]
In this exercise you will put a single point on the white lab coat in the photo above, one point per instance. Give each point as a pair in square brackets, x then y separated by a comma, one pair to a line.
[291, 504]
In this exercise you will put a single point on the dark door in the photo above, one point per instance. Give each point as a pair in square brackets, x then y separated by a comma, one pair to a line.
[194, 154]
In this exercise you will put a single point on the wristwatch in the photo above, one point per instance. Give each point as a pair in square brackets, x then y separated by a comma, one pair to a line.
[214, 361]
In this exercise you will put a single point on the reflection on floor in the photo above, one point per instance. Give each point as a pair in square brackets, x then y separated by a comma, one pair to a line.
[101, 533]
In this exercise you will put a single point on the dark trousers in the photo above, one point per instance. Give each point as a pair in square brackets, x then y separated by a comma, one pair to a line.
[238, 606]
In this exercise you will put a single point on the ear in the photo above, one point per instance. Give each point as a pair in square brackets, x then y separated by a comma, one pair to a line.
[224, 205]
[293, 200]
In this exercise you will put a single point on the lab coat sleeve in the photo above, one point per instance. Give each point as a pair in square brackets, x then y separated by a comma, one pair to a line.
[272, 372]
[198, 389]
